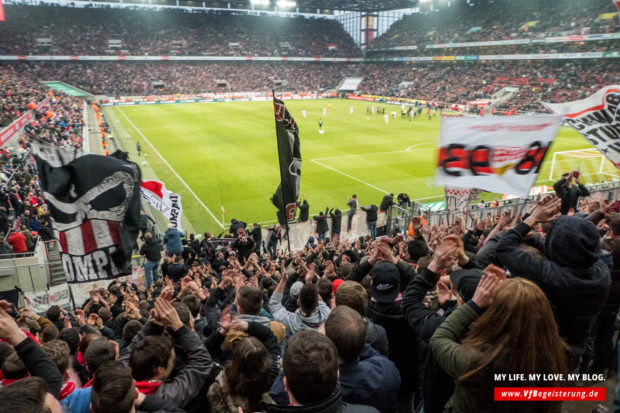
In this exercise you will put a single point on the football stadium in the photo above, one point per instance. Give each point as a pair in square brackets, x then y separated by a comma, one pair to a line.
[330, 206]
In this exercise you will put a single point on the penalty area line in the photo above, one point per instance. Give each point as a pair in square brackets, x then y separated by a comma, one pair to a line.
[173, 171]
[349, 176]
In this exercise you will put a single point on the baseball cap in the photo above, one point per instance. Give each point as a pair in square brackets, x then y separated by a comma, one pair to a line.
[466, 281]
[385, 283]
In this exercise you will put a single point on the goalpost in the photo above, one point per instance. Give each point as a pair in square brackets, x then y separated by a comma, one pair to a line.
[588, 161]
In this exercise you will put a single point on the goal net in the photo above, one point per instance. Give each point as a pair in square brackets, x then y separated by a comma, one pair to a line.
[594, 167]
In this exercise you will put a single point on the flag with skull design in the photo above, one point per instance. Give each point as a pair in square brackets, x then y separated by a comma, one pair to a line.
[94, 203]
[287, 132]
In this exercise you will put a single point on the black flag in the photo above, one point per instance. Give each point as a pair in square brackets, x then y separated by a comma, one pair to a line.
[285, 198]
[94, 202]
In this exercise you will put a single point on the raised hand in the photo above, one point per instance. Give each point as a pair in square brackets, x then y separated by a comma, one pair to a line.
[9, 329]
[484, 292]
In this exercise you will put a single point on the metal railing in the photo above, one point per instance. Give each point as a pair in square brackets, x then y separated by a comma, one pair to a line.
[398, 218]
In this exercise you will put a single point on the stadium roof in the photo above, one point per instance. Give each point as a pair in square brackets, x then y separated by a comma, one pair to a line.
[357, 5]
[313, 5]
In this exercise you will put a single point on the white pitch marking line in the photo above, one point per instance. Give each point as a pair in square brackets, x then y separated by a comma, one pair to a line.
[372, 153]
[349, 176]
[173, 171]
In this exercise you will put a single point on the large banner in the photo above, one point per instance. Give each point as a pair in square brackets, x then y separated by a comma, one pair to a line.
[597, 118]
[494, 154]
[163, 200]
[40, 301]
[94, 204]
[289, 154]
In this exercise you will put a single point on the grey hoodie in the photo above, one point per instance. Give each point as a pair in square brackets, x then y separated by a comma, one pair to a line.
[294, 321]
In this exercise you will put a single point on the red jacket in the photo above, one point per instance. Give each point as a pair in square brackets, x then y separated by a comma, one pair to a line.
[18, 242]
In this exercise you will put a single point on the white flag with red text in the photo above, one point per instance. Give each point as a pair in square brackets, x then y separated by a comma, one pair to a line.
[165, 201]
[457, 199]
[495, 154]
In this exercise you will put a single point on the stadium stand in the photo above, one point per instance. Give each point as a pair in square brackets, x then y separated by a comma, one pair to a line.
[500, 20]
[173, 32]
[396, 312]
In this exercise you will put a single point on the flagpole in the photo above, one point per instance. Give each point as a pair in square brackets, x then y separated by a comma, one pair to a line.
[288, 237]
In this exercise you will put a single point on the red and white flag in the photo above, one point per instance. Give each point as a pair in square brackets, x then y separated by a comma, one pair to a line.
[457, 199]
[165, 201]
[494, 154]
[597, 119]
[222, 210]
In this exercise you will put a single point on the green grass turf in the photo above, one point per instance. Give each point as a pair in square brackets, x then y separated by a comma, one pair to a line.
[226, 153]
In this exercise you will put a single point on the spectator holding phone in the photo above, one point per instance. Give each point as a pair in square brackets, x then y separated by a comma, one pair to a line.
[569, 193]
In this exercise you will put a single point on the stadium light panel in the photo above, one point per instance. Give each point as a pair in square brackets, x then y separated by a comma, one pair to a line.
[260, 2]
[285, 4]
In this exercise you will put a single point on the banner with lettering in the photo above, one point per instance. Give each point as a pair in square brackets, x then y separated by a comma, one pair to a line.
[597, 119]
[165, 201]
[495, 154]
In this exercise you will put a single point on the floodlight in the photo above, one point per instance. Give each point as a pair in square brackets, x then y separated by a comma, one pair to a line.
[260, 2]
[285, 4]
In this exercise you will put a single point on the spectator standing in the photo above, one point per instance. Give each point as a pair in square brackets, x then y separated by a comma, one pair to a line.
[371, 219]
[172, 241]
[17, 240]
[353, 205]
[569, 193]
[304, 211]
[151, 250]
[321, 224]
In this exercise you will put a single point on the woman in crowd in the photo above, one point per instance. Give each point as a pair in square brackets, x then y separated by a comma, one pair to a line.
[515, 333]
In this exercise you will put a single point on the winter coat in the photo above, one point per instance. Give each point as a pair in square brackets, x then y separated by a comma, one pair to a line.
[172, 241]
[304, 211]
[333, 404]
[321, 223]
[437, 386]
[151, 249]
[386, 202]
[445, 346]
[569, 196]
[573, 277]
[372, 380]
[188, 384]
[371, 213]
[336, 221]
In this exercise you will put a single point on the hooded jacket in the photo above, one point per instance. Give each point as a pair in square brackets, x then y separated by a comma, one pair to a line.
[295, 321]
[333, 404]
[304, 211]
[172, 240]
[372, 380]
[151, 249]
[336, 217]
[573, 277]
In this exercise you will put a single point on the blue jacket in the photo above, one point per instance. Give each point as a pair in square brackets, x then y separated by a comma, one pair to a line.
[372, 380]
[172, 241]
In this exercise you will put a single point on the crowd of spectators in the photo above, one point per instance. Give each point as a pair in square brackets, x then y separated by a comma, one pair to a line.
[538, 48]
[449, 82]
[459, 83]
[341, 326]
[24, 217]
[499, 20]
[116, 79]
[87, 31]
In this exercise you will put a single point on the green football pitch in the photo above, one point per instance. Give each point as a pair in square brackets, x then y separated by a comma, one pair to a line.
[225, 154]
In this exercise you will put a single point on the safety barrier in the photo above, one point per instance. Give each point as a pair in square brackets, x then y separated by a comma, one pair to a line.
[398, 218]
